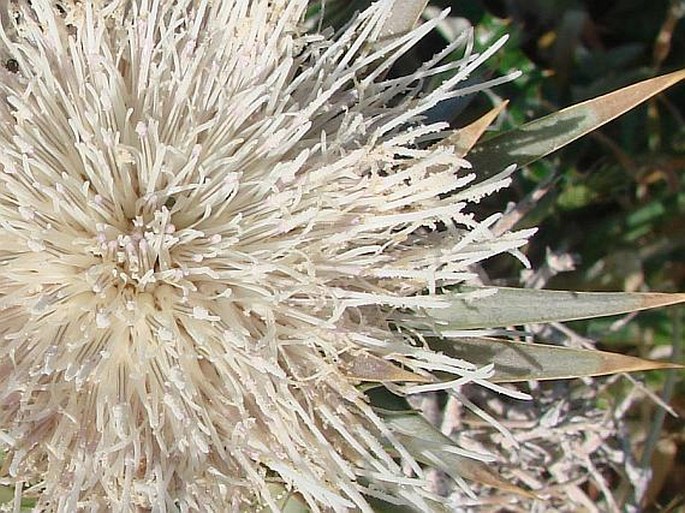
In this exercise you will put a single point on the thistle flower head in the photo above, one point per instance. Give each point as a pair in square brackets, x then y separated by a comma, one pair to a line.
[208, 216]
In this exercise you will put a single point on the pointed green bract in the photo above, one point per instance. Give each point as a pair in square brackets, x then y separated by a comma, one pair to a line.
[519, 361]
[431, 447]
[541, 137]
[513, 306]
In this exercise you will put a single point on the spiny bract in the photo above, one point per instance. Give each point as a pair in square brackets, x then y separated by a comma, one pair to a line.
[207, 216]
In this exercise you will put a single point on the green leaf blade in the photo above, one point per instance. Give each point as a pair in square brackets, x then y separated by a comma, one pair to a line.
[431, 447]
[517, 306]
[520, 361]
[540, 137]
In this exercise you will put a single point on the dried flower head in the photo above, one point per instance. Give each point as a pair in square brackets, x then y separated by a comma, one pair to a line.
[208, 215]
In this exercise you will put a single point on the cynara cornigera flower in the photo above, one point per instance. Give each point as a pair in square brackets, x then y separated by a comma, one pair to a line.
[207, 216]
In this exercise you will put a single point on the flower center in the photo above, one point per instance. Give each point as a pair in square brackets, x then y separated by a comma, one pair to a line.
[139, 256]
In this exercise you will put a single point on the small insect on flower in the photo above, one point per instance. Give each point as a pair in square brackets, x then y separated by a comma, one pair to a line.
[12, 65]
[208, 215]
